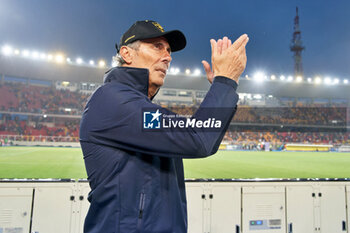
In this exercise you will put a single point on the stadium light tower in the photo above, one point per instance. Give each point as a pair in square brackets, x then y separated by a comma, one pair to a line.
[297, 47]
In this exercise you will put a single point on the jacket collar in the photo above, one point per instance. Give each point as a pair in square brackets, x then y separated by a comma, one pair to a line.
[137, 78]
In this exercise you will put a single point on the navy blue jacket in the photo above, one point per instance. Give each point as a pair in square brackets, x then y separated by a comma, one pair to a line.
[136, 176]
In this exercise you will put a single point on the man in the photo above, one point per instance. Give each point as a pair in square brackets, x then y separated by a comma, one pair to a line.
[136, 175]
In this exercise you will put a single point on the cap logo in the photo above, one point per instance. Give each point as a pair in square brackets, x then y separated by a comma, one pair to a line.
[158, 26]
[129, 38]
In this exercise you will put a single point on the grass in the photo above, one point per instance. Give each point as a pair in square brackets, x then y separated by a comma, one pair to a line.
[41, 162]
[48, 162]
[254, 164]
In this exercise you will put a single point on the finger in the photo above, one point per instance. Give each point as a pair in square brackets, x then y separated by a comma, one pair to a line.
[220, 43]
[206, 67]
[239, 41]
[208, 71]
[224, 43]
[242, 48]
[229, 43]
[241, 51]
[245, 42]
[213, 47]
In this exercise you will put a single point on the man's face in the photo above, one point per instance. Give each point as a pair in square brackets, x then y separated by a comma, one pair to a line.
[154, 55]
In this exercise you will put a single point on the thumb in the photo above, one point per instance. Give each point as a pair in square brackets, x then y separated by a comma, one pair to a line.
[206, 67]
[208, 71]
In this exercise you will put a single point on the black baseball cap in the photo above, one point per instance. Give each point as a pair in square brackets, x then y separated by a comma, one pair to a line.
[148, 29]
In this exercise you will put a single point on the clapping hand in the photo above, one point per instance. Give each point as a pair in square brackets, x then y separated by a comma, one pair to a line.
[228, 60]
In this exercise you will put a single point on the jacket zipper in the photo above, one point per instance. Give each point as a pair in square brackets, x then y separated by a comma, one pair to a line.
[142, 205]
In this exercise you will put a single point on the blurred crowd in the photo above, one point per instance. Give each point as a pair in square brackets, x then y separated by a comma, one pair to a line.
[252, 140]
[35, 100]
[312, 115]
[40, 131]
[18, 97]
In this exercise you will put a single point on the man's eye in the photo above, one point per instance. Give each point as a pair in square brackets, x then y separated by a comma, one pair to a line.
[158, 46]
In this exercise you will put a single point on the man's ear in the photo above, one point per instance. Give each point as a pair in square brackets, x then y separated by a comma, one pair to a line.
[126, 53]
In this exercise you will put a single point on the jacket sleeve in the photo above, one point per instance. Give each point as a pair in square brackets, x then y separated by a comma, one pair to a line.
[114, 118]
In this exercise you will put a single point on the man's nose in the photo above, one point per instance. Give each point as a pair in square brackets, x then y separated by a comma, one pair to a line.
[167, 57]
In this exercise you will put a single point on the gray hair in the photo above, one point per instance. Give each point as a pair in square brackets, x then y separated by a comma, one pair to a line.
[118, 59]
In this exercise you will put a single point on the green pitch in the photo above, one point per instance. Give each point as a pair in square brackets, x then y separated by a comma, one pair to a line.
[46, 162]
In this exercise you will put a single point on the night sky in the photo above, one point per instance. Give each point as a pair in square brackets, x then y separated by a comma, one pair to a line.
[90, 28]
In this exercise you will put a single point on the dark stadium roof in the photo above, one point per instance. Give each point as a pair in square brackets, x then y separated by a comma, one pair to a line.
[35, 69]
[180, 81]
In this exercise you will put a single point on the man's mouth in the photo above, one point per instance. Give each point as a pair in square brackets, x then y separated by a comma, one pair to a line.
[162, 70]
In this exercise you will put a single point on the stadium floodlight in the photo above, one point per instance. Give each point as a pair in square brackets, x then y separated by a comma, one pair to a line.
[17, 52]
[299, 79]
[91, 62]
[49, 57]
[69, 60]
[101, 63]
[65, 83]
[282, 77]
[328, 81]
[35, 55]
[309, 80]
[25, 53]
[290, 78]
[258, 97]
[7, 50]
[270, 96]
[259, 76]
[42, 56]
[188, 71]
[318, 80]
[273, 77]
[79, 61]
[197, 72]
[67, 109]
[44, 115]
[336, 81]
[172, 70]
[59, 58]
[346, 81]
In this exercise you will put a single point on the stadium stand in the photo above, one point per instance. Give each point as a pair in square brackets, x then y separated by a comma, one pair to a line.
[41, 105]
[18, 101]
[17, 97]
